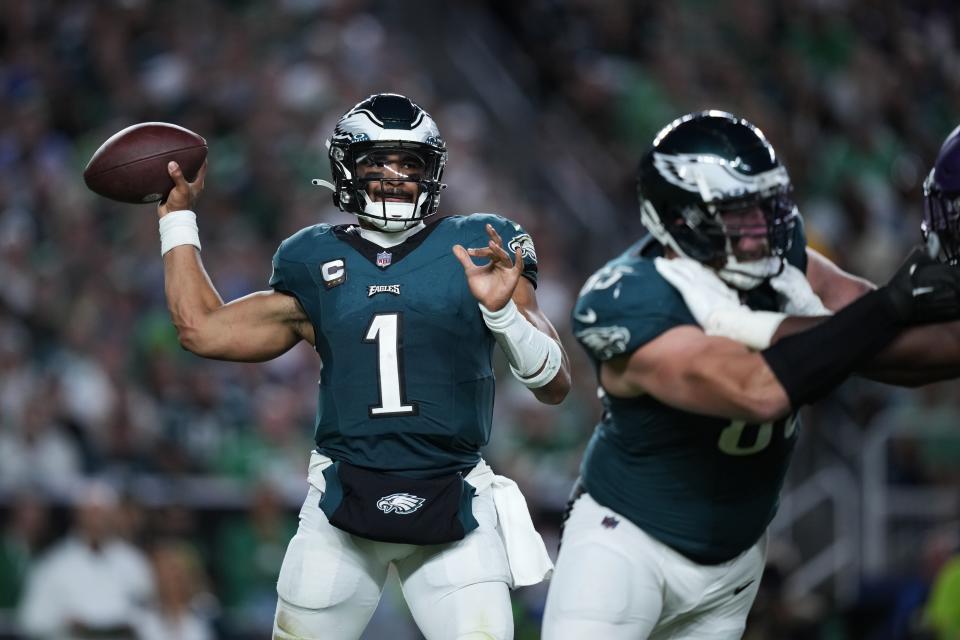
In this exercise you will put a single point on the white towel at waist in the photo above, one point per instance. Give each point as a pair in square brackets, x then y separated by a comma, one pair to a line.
[526, 552]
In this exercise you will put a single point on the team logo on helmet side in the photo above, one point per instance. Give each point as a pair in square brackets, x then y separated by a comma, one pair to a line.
[400, 503]
[362, 125]
[715, 178]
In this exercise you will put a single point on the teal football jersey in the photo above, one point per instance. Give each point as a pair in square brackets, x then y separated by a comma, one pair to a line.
[407, 384]
[705, 486]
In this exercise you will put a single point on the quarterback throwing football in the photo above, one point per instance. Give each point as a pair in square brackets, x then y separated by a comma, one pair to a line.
[404, 322]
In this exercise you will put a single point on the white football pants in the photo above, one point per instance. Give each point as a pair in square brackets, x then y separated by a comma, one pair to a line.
[330, 581]
[615, 582]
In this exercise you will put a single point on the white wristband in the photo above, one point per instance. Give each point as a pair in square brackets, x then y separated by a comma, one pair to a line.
[753, 329]
[177, 228]
[534, 356]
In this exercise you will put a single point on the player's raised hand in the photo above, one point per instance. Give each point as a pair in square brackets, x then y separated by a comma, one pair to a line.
[715, 306]
[184, 193]
[923, 290]
[796, 294]
[493, 283]
[702, 290]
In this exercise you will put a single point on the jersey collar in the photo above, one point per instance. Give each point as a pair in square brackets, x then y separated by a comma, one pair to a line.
[387, 240]
[356, 238]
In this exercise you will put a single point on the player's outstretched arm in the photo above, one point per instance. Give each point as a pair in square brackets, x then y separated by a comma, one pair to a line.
[689, 370]
[923, 294]
[509, 306]
[919, 355]
[254, 328]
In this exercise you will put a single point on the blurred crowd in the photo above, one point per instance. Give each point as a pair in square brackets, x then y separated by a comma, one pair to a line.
[187, 474]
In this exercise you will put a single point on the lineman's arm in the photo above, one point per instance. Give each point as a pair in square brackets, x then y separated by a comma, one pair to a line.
[689, 370]
[257, 327]
[525, 297]
[919, 355]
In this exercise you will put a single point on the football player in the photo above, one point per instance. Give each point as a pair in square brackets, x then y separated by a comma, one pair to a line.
[941, 200]
[404, 322]
[708, 335]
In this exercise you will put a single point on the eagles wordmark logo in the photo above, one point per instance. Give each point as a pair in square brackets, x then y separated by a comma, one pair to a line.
[374, 289]
[401, 503]
[525, 243]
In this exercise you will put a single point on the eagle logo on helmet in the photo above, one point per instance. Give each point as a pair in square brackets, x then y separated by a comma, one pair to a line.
[401, 503]
[715, 178]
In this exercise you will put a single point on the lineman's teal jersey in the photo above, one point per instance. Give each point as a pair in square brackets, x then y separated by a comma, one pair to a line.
[705, 486]
[407, 384]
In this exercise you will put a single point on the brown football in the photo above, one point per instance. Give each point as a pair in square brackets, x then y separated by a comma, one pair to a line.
[131, 166]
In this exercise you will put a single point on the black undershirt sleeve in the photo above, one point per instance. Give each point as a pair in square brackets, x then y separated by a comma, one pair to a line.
[812, 363]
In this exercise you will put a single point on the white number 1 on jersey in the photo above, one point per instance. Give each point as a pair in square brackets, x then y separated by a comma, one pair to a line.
[384, 329]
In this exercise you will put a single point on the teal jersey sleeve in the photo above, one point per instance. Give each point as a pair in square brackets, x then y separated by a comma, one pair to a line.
[292, 272]
[514, 237]
[797, 254]
[290, 276]
[624, 306]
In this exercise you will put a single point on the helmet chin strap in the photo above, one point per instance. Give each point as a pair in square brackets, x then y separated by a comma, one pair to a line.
[751, 274]
[392, 216]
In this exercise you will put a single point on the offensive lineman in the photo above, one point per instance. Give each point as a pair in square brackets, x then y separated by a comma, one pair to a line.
[683, 473]
[406, 391]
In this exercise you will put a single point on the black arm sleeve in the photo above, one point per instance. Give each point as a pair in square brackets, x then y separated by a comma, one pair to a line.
[812, 363]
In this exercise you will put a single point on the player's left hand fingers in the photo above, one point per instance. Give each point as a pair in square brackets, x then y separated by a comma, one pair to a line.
[496, 249]
[483, 252]
[518, 260]
[494, 236]
[463, 255]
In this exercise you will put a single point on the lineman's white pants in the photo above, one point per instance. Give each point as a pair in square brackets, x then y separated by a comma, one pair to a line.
[615, 582]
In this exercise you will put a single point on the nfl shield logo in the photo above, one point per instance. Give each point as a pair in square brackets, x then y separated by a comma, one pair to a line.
[384, 258]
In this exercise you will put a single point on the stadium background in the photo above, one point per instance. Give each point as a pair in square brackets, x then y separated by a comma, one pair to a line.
[546, 106]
